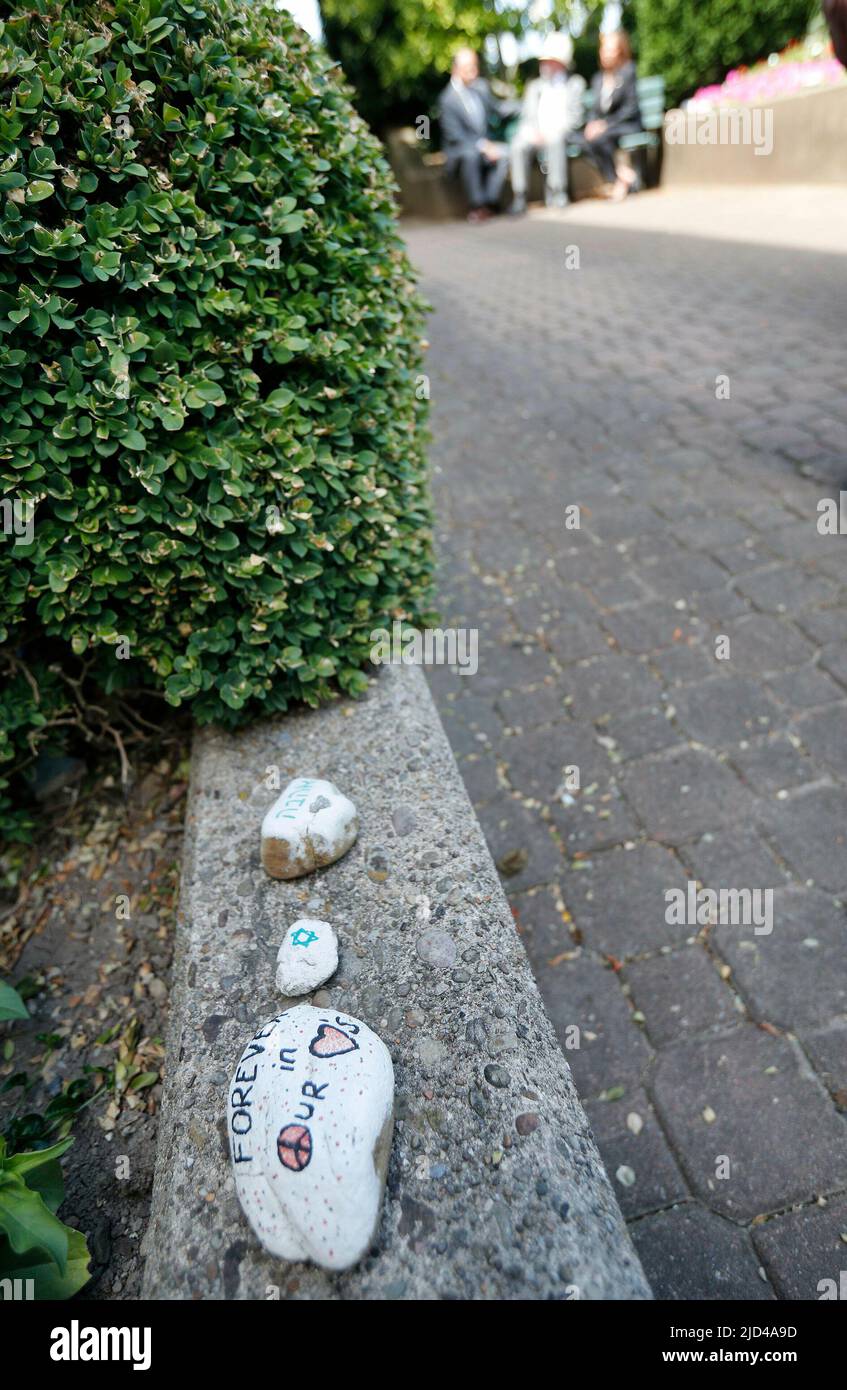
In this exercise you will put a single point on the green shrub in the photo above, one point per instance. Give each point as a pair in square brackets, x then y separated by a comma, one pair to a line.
[693, 43]
[209, 362]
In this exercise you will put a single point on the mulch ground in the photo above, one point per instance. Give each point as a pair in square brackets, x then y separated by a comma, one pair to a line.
[86, 936]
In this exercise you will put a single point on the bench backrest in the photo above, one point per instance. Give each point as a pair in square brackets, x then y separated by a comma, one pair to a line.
[651, 99]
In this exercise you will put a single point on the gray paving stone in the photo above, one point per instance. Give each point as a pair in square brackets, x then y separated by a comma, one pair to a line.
[609, 685]
[784, 590]
[797, 974]
[679, 796]
[646, 731]
[809, 829]
[521, 847]
[615, 523]
[479, 774]
[684, 664]
[737, 857]
[679, 577]
[764, 1108]
[478, 714]
[805, 687]
[618, 899]
[724, 710]
[536, 760]
[824, 733]
[510, 665]
[803, 1251]
[828, 1050]
[833, 658]
[529, 709]
[769, 765]
[761, 643]
[612, 1050]
[642, 1168]
[825, 625]
[714, 533]
[540, 922]
[573, 639]
[680, 995]
[648, 627]
[611, 591]
[597, 819]
[690, 1254]
[719, 607]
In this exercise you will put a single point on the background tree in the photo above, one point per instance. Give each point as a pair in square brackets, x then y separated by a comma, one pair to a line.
[693, 43]
[396, 53]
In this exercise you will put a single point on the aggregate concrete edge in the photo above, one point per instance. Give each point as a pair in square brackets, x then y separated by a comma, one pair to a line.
[430, 959]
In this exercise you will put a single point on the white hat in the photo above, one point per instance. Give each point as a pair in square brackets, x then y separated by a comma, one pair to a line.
[557, 48]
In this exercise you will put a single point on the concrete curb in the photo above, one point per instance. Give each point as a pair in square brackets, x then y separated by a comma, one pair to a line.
[430, 960]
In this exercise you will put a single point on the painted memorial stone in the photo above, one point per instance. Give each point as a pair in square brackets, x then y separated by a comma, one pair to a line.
[310, 1118]
[307, 956]
[311, 824]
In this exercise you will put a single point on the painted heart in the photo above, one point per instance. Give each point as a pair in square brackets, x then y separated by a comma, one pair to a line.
[331, 1042]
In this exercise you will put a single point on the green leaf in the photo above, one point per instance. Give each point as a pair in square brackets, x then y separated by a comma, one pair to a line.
[49, 1283]
[28, 1222]
[31, 1161]
[11, 1004]
[279, 398]
[38, 190]
[143, 1080]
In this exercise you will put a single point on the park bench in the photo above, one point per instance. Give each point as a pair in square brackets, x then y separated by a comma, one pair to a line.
[426, 191]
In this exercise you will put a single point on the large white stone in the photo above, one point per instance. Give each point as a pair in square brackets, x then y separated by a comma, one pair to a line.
[311, 824]
[310, 1117]
[307, 956]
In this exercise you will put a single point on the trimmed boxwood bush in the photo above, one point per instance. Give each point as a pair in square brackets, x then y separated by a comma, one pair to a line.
[692, 43]
[209, 364]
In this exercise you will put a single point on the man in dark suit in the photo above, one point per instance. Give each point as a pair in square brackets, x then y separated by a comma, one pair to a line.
[615, 112]
[466, 110]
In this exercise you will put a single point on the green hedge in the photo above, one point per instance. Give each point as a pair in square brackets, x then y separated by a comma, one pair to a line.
[693, 43]
[209, 356]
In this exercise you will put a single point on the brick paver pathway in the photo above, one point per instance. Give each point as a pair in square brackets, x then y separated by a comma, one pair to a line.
[712, 1060]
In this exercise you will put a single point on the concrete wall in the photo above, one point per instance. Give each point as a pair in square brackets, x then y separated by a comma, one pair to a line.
[809, 146]
[479, 1206]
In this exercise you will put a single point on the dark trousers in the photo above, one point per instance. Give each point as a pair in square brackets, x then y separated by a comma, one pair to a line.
[481, 180]
[601, 152]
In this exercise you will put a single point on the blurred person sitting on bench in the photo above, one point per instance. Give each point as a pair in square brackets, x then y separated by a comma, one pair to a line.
[615, 113]
[552, 109]
[466, 111]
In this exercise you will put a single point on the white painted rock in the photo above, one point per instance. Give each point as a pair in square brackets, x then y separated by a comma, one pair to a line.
[310, 825]
[310, 1117]
[307, 956]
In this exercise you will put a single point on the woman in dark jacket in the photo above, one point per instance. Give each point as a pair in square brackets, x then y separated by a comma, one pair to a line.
[615, 111]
